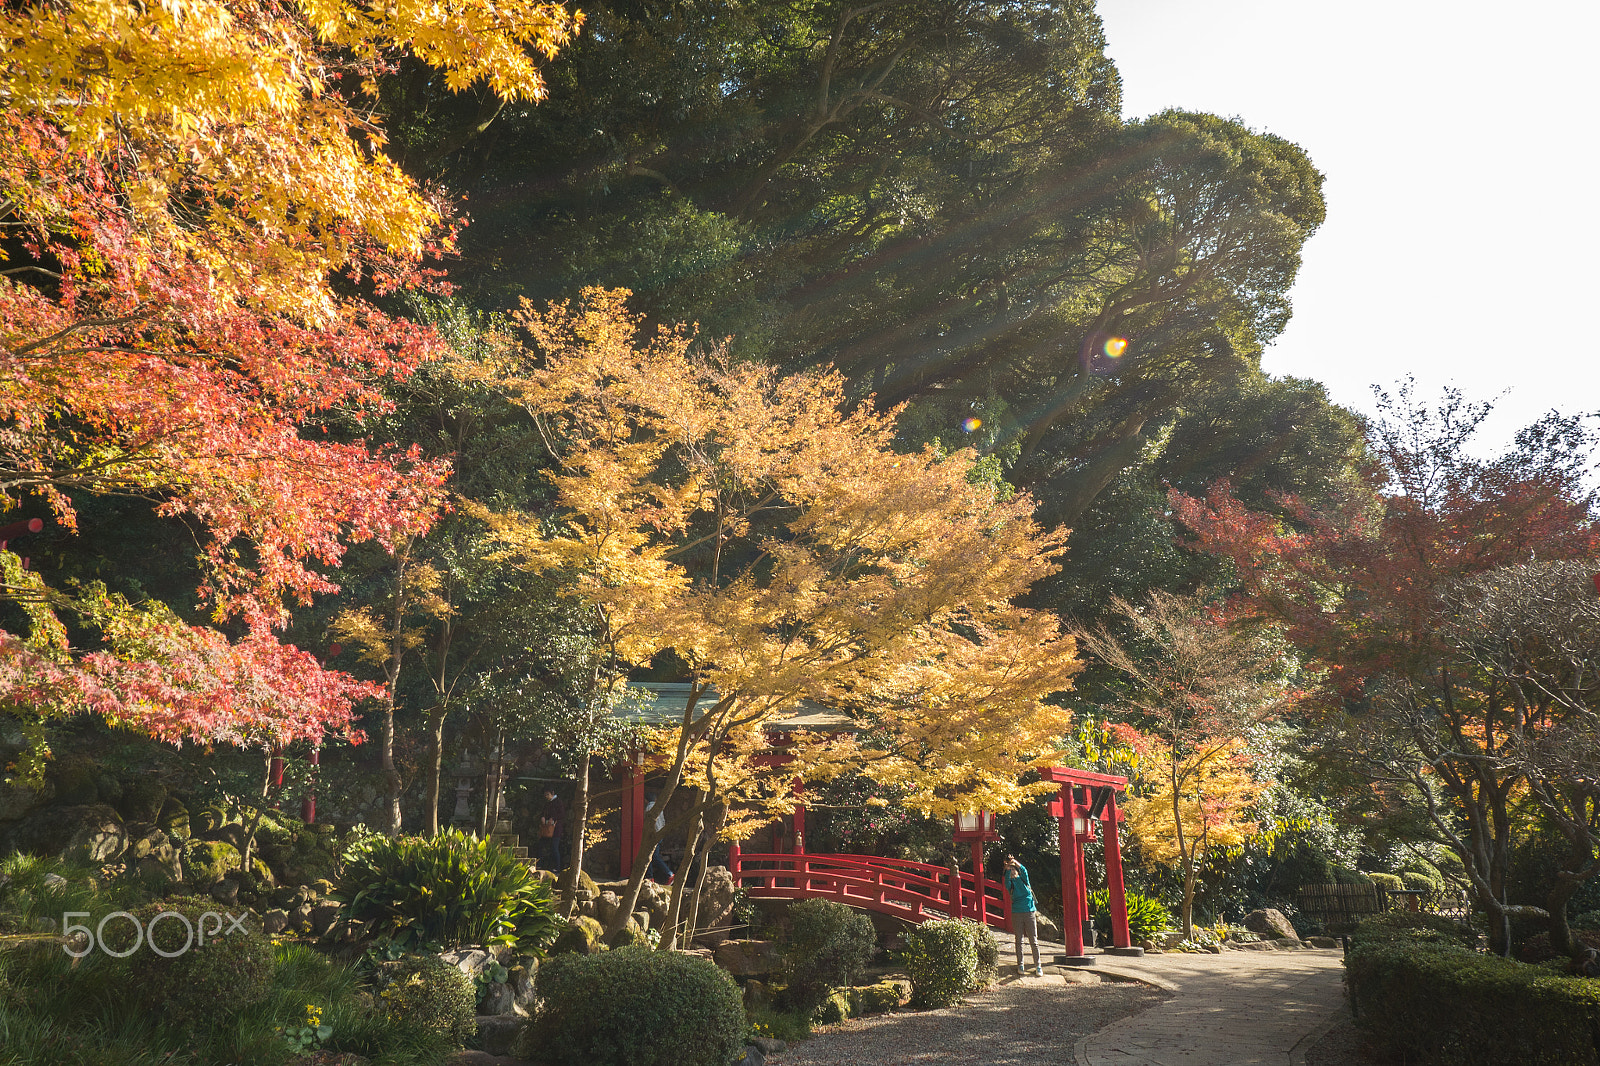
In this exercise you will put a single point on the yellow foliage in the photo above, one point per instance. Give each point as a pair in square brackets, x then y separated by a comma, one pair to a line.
[1216, 798]
[782, 550]
[254, 103]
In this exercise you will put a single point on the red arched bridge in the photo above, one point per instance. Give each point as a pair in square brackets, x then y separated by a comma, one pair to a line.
[914, 891]
[1085, 809]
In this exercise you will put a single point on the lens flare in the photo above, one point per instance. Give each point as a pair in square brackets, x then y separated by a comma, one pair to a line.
[971, 425]
[1116, 346]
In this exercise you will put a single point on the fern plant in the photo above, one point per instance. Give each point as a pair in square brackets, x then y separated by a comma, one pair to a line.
[1147, 918]
[446, 890]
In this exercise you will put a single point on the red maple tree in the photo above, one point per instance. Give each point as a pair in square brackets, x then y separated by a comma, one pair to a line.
[1360, 583]
[181, 186]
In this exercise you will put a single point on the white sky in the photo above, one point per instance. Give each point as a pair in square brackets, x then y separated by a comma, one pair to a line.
[1459, 143]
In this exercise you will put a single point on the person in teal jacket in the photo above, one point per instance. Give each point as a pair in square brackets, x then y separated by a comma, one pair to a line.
[1024, 912]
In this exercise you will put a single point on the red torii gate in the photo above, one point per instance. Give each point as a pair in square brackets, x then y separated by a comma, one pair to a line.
[1087, 797]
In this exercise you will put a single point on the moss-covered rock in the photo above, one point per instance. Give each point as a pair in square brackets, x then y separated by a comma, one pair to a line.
[874, 999]
[207, 861]
[174, 819]
[142, 798]
[297, 855]
[630, 933]
[582, 936]
[834, 1008]
[91, 834]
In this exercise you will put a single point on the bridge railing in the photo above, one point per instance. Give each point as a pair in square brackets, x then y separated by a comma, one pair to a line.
[915, 891]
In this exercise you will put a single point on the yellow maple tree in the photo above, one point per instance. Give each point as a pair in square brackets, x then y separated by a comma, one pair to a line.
[1193, 803]
[1198, 685]
[239, 129]
[771, 540]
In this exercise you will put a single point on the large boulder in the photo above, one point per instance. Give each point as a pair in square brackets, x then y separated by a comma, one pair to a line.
[91, 833]
[174, 820]
[606, 906]
[497, 1034]
[208, 861]
[655, 900]
[630, 933]
[498, 999]
[1271, 924]
[470, 961]
[584, 936]
[142, 798]
[716, 907]
[520, 977]
[153, 855]
[323, 915]
[17, 800]
[748, 958]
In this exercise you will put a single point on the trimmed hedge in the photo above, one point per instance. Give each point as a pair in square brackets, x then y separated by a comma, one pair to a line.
[634, 1007]
[190, 983]
[829, 946]
[428, 992]
[941, 958]
[1419, 987]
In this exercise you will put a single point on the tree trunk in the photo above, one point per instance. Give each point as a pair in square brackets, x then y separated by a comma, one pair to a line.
[691, 851]
[435, 772]
[1187, 911]
[693, 924]
[567, 892]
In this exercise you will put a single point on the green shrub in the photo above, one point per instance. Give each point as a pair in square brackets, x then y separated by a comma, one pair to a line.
[202, 983]
[426, 991]
[941, 958]
[987, 971]
[874, 999]
[1586, 920]
[1421, 991]
[450, 889]
[55, 1011]
[1420, 881]
[1147, 918]
[1343, 875]
[634, 1007]
[829, 945]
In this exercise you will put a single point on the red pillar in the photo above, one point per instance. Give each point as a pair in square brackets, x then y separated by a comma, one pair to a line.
[980, 901]
[1114, 887]
[632, 814]
[1083, 867]
[1071, 876]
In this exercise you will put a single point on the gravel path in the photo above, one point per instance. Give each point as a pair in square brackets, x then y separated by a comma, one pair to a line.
[1026, 1022]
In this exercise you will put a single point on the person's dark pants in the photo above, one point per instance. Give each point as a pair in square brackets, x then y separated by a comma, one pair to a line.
[550, 854]
[658, 863]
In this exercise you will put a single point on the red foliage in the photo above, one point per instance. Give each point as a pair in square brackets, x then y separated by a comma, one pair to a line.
[126, 367]
[1356, 582]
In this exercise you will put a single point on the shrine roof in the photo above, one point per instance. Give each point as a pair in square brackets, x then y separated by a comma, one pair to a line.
[660, 703]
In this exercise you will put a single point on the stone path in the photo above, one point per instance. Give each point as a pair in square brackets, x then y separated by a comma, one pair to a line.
[1240, 1008]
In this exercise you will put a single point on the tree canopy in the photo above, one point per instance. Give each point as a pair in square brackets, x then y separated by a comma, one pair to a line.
[182, 183]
